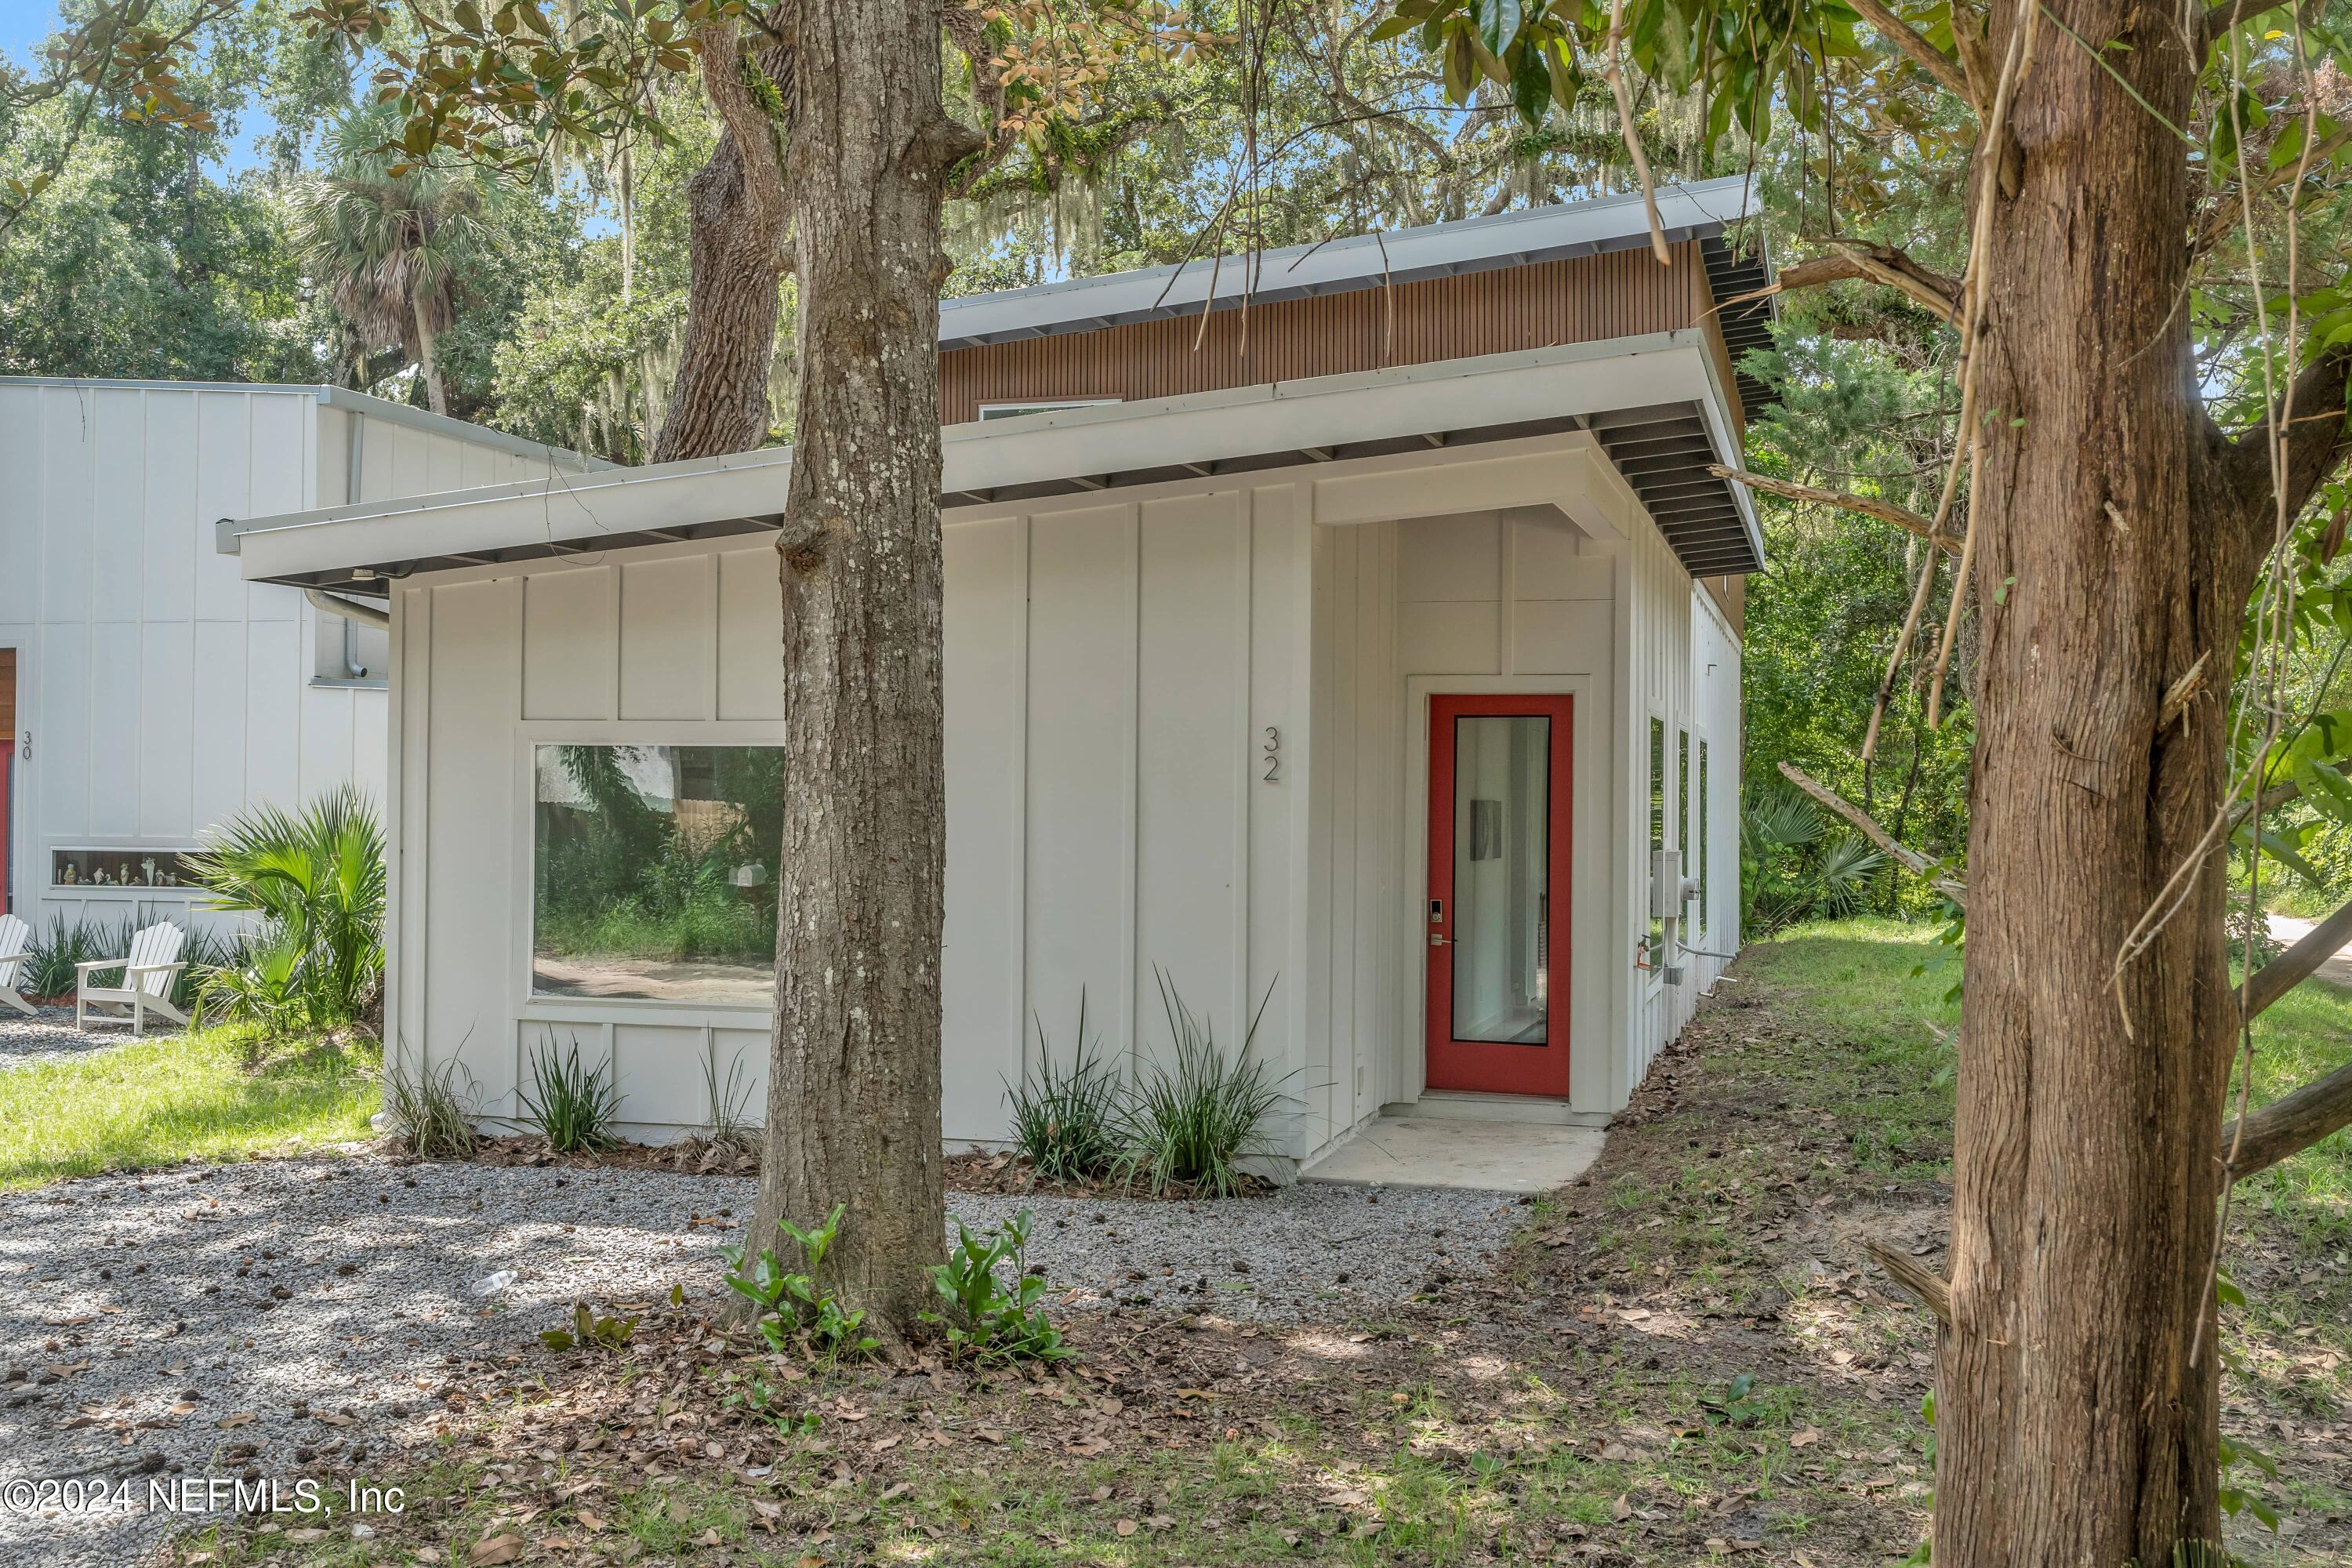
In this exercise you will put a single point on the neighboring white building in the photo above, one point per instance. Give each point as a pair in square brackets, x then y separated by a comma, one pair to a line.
[1366, 666]
[146, 691]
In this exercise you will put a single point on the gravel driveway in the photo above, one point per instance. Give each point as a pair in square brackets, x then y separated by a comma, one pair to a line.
[50, 1036]
[298, 1317]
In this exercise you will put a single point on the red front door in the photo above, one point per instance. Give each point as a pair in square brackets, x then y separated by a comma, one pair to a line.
[1501, 777]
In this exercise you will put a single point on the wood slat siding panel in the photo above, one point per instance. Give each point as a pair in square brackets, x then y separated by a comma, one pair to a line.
[7, 693]
[1622, 294]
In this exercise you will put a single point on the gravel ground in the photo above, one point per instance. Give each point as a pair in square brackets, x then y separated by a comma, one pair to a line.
[296, 1318]
[50, 1036]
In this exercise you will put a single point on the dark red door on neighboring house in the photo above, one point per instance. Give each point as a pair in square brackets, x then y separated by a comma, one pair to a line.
[1501, 780]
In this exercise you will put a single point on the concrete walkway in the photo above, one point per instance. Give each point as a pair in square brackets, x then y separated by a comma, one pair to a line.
[2290, 930]
[1445, 1151]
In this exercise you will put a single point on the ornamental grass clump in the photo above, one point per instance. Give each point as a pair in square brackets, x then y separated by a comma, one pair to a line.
[574, 1105]
[1070, 1123]
[1192, 1123]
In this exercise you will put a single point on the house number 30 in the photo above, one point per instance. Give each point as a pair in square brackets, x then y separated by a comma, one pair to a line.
[1273, 757]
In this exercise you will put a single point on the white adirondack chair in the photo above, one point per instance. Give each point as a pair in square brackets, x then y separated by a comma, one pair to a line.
[147, 977]
[16, 936]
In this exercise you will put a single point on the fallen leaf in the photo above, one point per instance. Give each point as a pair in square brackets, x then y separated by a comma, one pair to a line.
[1805, 1439]
[1621, 1509]
[1125, 1526]
[501, 1548]
[237, 1419]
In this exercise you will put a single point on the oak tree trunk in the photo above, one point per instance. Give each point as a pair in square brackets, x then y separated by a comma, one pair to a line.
[2073, 1425]
[853, 1085]
[736, 255]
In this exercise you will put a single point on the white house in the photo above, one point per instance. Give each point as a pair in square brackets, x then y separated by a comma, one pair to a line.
[146, 691]
[1379, 654]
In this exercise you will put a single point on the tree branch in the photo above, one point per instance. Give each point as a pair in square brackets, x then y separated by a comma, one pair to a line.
[1884, 512]
[1911, 860]
[1922, 1284]
[1922, 53]
[2289, 1125]
[2299, 962]
[2316, 438]
[1930, 290]
[2216, 24]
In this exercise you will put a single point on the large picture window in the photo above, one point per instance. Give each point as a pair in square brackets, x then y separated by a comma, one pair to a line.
[654, 872]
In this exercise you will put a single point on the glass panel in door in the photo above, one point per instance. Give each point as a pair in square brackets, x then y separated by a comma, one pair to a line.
[1502, 888]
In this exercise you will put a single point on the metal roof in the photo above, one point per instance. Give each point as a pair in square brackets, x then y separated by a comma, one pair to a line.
[1704, 210]
[351, 402]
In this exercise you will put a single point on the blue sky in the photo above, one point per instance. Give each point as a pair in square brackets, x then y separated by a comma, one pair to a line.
[25, 23]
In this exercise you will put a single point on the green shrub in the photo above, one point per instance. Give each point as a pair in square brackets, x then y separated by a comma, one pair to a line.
[794, 1313]
[573, 1105]
[1070, 1123]
[986, 1322]
[1794, 866]
[316, 882]
[1192, 1125]
[50, 957]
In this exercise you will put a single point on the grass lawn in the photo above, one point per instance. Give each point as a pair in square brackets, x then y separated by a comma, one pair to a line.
[1683, 1358]
[218, 1094]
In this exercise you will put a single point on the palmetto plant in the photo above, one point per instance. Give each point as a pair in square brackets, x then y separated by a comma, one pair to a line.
[390, 248]
[316, 882]
[1792, 867]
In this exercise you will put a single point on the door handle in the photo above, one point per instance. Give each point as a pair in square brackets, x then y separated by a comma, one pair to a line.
[1441, 942]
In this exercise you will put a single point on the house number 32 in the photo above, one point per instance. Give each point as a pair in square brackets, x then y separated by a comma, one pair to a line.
[1273, 757]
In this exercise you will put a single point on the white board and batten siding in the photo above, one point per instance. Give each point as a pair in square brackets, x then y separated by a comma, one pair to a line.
[1683, 668]
[1123, 676]
[159, 693]
[1110, 672]
[1522, 600]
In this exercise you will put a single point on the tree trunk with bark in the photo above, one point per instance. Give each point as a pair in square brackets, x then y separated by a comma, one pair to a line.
[2073, 1426]
[736, 255]
[853, 1086]
[436, 395]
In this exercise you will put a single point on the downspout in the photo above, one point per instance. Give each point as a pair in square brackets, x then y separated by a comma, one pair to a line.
[354, 614]
[349, 609]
